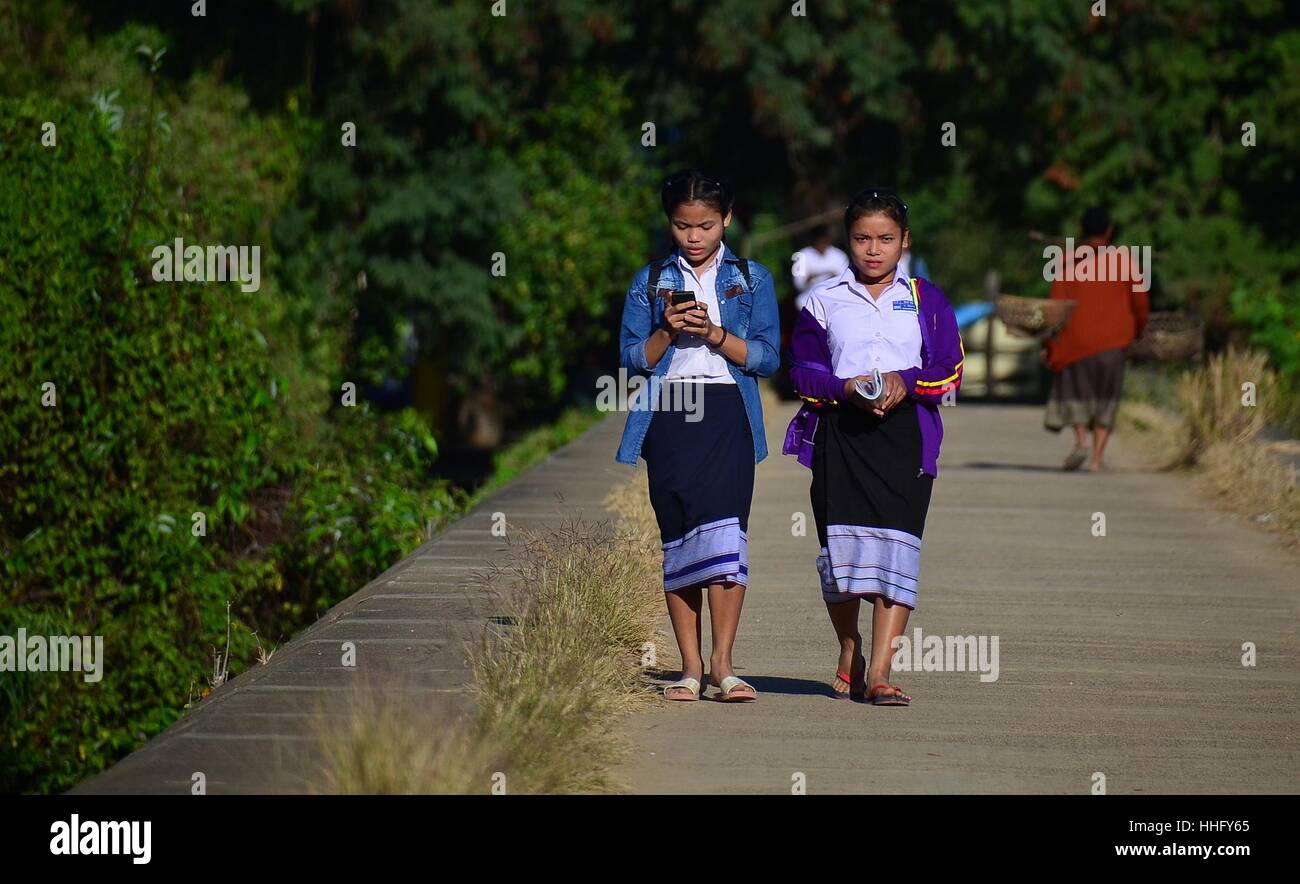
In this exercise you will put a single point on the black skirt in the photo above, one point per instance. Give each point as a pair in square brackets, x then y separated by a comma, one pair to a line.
[701, 475]
[869, 500]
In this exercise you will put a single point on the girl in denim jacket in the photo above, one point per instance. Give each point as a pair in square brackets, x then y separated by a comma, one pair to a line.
[699, 327]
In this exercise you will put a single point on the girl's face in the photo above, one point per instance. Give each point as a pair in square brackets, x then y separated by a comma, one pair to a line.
[876, 243]
[697, 230]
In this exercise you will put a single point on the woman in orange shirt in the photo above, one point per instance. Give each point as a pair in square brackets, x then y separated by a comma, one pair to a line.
[1088, 354]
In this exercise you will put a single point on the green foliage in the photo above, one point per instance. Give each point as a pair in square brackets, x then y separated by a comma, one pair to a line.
[165, 402]
[516, 458]
[568, 247]
[519, 135]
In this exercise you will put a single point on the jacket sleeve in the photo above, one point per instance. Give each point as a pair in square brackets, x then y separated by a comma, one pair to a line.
[810, 369]
[636, 328]
[762, 357]
[943, 371]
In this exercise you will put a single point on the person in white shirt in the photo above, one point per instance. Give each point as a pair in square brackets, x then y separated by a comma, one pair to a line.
[815, 263]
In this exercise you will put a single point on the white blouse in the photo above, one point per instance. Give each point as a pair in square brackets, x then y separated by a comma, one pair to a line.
[865, 332]
[695, 360]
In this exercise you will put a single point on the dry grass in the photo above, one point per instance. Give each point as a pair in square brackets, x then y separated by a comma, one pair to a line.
[552, 679]
[1212, 401]
[396, 743]
[554, 683]
[1215, 437]
[1160, 431]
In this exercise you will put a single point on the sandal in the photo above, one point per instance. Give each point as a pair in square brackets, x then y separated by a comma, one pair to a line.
[690, 685]
[1075, 458]
[851, 693]
[735, 690]
[875, 698]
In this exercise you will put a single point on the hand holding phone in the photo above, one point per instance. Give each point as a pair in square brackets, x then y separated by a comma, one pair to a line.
[696, 314]
[677, 313]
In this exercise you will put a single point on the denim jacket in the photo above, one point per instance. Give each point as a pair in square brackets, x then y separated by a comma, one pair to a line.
[749, 313]
[942, 355]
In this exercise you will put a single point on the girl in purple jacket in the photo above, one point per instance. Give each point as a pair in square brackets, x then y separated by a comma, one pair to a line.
[873, 460]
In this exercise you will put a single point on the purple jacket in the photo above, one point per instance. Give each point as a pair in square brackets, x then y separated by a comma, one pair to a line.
[942, 355]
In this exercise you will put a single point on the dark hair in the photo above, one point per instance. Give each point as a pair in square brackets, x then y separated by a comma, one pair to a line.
[873, 200]
[1096, 221]
[826, 231]
[693, 185]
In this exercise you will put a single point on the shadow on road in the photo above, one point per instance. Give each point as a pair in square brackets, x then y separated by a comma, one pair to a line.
[1033, 467]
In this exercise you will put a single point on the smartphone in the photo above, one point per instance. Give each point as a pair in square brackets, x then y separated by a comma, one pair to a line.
[681, 297]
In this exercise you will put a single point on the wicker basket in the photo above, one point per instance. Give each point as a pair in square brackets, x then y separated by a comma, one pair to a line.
[1169, 336]
[1034, 317]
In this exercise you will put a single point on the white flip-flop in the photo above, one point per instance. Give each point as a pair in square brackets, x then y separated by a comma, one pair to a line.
[729, 687]
[691, 684]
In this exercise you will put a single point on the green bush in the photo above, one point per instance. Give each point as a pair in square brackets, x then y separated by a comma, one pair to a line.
[129, 405]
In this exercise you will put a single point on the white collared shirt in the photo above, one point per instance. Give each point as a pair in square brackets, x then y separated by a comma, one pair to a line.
[695, 360]
[864, 332]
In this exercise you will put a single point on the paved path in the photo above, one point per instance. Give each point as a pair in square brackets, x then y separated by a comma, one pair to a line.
[1119, 654]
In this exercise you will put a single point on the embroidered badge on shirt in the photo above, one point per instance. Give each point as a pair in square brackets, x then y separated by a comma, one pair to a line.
[907, 305]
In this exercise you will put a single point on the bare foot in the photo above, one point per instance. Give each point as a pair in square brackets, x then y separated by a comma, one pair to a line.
[854, 663]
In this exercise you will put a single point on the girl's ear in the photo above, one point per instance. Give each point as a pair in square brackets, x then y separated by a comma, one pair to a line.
[907, 239]
[726, 220]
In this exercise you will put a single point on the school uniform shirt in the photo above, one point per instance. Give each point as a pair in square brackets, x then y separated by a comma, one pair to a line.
[938, 375]
[695, 360]
[865, 332]
[816, 267]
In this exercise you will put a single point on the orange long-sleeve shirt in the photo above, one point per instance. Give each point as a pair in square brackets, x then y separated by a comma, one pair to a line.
[1108, 314]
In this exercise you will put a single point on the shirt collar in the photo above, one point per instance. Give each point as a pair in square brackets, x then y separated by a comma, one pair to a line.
[718, 258]
[849, 279]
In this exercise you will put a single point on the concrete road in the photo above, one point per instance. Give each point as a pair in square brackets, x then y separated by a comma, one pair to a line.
[1119, 655]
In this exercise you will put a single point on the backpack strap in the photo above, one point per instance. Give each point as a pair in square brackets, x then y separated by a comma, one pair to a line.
[743, 264]
[656, 268]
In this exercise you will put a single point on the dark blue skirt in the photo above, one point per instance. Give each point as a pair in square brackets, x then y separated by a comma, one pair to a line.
[701, 475]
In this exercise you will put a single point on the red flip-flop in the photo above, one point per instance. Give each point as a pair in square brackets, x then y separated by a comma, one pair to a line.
[899, 699]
